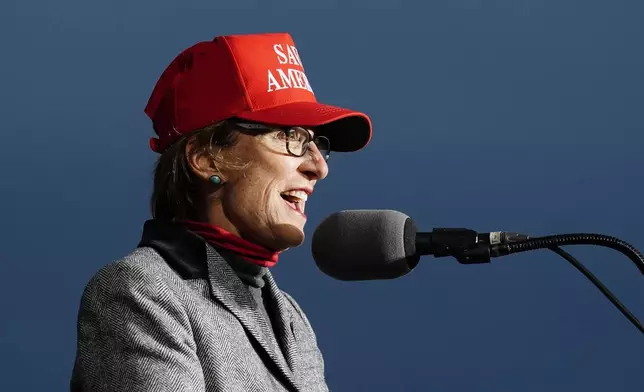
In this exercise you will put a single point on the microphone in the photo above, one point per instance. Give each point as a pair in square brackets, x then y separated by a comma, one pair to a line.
[385, 244]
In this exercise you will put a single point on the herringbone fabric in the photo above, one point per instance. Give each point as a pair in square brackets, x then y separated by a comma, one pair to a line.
[144, 327]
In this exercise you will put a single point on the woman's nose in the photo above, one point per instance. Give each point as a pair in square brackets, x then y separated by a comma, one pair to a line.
[314, 166]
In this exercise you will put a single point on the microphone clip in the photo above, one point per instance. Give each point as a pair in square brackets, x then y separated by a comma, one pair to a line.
[462, 244]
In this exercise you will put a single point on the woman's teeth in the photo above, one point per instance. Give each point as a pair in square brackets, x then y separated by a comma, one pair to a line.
[301, 195]
[296, 198]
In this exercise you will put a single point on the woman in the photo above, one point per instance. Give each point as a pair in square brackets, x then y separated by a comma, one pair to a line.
[242, 144]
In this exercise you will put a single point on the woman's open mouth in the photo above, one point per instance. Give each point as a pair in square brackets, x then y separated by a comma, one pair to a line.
[296, 200]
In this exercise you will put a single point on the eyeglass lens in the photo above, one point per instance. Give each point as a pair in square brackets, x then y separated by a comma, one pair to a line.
[299, 138]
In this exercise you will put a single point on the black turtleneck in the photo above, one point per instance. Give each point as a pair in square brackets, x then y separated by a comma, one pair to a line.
[252, 275]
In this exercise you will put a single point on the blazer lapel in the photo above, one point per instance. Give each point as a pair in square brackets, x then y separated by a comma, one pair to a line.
[229, 290]
[283, 323]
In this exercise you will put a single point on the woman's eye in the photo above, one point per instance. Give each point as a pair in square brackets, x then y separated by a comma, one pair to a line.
[280, 135]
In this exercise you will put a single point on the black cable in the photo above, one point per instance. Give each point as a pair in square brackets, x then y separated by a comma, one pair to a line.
[599, 285]
[549, 242]
[458, 243]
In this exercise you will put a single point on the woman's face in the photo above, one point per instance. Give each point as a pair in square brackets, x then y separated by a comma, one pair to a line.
[266, 202]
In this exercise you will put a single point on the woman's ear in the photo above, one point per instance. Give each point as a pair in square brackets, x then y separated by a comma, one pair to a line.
[200, 162]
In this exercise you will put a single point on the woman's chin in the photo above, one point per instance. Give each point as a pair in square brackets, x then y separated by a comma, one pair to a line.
[287, 235]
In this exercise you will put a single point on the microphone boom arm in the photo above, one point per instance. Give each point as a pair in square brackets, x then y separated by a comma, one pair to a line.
[468, 247]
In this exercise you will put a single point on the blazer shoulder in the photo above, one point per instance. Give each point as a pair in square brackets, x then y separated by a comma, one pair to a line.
[133, 330]
[142, 266]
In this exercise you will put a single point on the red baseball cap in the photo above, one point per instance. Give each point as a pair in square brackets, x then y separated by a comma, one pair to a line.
[253, 77]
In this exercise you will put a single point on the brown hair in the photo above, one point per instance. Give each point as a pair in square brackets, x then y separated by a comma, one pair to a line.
[177, 189]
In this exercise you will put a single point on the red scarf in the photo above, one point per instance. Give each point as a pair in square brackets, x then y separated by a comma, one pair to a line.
[218, 237]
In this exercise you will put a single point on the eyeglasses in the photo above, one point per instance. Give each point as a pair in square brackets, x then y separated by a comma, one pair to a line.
[297, 139]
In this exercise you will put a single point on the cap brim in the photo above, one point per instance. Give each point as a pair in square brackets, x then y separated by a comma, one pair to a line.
[347, 130]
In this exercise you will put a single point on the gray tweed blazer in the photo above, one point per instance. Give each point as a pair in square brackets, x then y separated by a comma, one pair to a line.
[174, 316]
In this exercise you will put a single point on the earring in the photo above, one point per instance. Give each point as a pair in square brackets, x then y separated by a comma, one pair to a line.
[215, 179]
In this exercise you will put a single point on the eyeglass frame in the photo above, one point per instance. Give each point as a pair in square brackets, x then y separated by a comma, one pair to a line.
[287, 131]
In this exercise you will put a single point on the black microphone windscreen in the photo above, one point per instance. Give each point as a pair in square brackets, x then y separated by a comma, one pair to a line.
[365, 245]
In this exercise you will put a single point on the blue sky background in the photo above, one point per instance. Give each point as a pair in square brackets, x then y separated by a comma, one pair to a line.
[492, 115]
